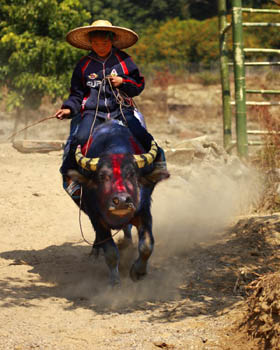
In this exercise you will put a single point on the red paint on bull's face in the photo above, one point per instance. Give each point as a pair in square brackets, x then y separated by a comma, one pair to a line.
[117, 174]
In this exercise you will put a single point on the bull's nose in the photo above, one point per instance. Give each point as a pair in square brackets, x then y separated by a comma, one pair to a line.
[122, 200]
[115, 200]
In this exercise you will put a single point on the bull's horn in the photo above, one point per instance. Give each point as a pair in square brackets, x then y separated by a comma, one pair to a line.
[84, 162]
[145, 159]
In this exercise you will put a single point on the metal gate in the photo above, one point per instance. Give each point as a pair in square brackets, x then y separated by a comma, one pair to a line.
[239, 65]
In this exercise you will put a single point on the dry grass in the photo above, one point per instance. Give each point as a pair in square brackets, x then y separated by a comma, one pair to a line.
[267, 159]
[263, 316]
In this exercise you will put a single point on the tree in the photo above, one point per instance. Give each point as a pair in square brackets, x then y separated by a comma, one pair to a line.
[177, 43]
[136, 14]
[35, 59]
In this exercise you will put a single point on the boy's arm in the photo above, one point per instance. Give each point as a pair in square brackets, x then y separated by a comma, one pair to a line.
[133, 82]
[77, 92]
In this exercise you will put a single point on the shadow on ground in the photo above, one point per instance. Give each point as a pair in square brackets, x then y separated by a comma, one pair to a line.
[206, 278]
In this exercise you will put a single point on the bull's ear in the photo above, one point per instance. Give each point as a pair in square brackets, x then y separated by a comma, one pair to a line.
[154, 177]
[76, 176]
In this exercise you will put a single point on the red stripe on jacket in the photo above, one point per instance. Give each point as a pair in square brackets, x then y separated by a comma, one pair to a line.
[83, 105]
[123, 64]
[83, 70]
[132, 82]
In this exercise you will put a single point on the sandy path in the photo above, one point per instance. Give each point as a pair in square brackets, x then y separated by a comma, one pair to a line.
[54, 297]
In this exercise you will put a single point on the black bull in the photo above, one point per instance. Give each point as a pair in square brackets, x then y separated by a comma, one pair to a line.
[116, 195]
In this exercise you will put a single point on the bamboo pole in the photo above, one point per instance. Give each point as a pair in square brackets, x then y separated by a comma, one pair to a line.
[259, 103]
[227, 113]
[261, 24]
[239, 77]
[262, 91]
[258, 50]
[263, 132]
[260, 10]
[262, 63]
[258, 63]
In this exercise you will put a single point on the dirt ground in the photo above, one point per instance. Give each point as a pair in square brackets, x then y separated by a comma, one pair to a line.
[208, 247]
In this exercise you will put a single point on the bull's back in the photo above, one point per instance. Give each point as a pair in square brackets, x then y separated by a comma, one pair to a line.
[111, 137]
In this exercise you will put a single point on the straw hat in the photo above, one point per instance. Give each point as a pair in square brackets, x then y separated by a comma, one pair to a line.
[79, 37]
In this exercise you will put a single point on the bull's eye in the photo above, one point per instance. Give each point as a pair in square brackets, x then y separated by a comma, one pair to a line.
[104, 177]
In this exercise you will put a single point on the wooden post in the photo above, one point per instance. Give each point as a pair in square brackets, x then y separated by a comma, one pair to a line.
[239, 78]
[225, 81]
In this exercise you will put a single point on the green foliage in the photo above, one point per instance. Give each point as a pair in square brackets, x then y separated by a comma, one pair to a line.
[137, 14]
[35, 60]
[177, 43]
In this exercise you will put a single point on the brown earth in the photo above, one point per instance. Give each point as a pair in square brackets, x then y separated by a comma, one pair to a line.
[208, 248]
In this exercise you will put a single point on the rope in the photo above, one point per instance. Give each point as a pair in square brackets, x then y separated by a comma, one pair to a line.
[29, 126]
[121, 101]
[92, 243]
[87, 146]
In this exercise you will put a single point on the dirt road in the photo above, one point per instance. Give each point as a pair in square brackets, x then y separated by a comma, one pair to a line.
[54, 297]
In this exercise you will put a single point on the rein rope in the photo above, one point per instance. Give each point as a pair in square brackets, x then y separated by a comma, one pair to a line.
[29, 126]
[121, 101]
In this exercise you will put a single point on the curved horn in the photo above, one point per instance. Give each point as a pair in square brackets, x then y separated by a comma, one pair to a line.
[146, 158]
[84, 162]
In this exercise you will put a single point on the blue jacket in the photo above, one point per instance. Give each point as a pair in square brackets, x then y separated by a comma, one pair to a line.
[89, 75]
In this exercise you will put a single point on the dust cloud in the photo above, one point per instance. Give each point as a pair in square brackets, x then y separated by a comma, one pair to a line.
[195, 205]
[200, 201]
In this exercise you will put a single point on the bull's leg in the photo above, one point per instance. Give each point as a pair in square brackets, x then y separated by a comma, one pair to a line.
[127, 232]
[127, 239]
[112, 259]
[145, 248]
[105, 241]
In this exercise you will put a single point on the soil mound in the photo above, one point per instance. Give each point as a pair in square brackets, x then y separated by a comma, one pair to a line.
[263, 316]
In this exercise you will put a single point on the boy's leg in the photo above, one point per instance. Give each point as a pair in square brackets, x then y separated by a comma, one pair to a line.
[138, 131]
[145, 138]
[80, 137]
[74, 125]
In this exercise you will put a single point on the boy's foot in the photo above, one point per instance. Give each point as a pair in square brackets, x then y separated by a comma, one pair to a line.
[160, 171]
[73, 188]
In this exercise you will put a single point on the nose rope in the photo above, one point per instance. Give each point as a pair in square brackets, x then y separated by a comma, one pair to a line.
[92, 243]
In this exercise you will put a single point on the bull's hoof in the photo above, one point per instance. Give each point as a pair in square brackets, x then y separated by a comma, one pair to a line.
[137, 274]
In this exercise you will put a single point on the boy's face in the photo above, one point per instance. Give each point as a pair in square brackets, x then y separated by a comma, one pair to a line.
[101, 46]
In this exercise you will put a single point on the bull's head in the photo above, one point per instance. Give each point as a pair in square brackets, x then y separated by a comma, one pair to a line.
[115, 182]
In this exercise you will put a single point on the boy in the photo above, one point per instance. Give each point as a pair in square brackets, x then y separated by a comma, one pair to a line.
[102, 87]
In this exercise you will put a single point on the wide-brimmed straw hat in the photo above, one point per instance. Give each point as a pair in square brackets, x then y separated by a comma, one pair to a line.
[79, 37]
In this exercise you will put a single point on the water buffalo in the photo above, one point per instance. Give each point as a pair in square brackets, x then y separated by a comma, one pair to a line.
[116, 194]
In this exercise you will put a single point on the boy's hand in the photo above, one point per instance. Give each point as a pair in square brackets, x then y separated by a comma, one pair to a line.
[116, 81]
[62, 113]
